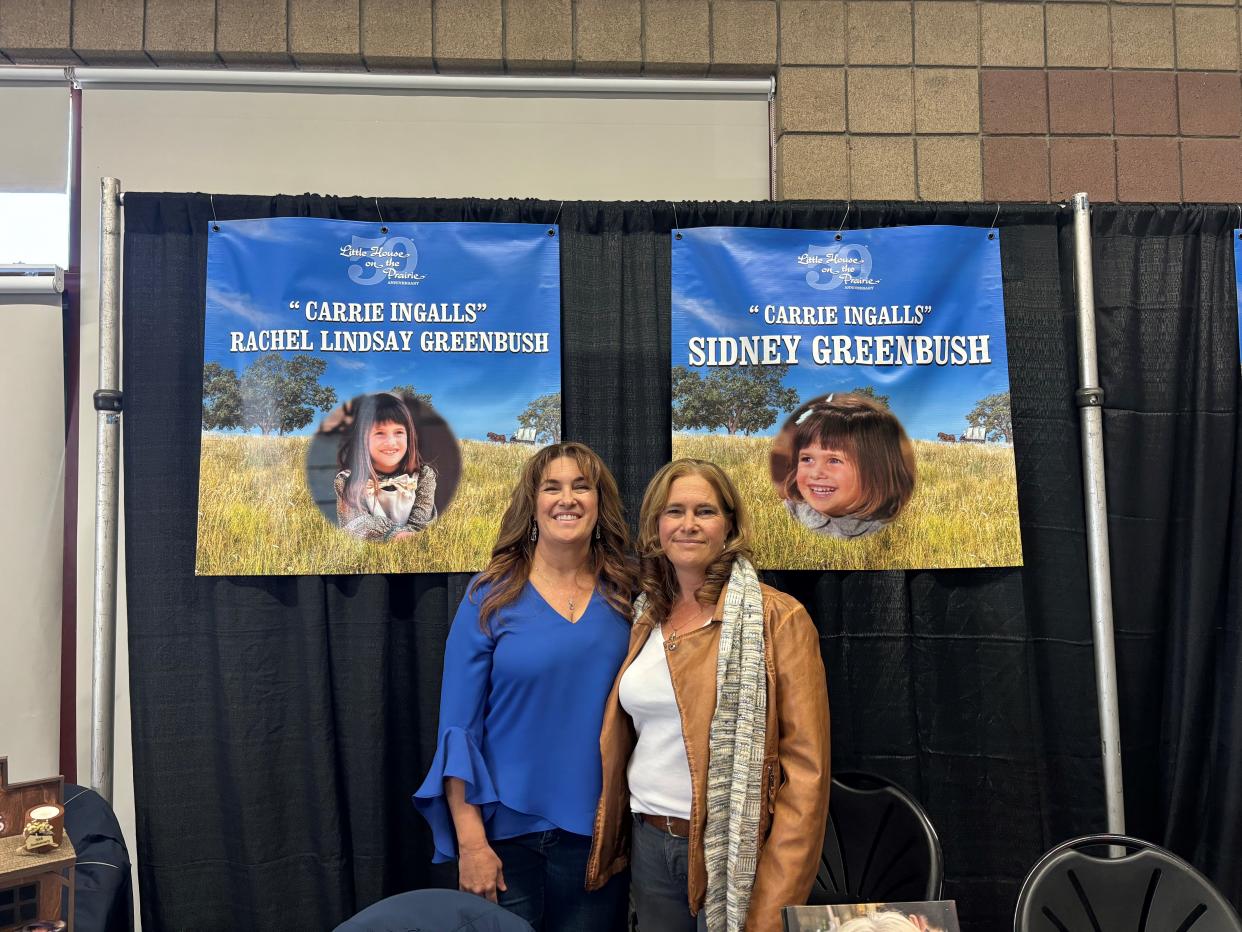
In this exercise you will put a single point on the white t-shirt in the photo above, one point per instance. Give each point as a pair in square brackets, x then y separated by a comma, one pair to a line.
[658, 773]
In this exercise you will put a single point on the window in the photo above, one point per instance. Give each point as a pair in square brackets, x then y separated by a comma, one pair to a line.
[34, 229]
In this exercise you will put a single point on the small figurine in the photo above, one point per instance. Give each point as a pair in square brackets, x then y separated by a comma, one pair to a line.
[39, 836]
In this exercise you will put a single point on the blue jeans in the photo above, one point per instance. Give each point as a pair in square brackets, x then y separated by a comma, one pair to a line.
[659, 871]
[545, 873]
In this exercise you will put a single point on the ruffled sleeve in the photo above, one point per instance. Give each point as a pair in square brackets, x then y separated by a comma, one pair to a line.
[463, 699]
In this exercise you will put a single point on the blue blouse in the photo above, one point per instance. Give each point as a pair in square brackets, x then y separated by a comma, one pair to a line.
[520, 716]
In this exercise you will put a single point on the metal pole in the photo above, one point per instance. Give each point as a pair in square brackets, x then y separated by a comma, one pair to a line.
[108, 416]
[1090, 398]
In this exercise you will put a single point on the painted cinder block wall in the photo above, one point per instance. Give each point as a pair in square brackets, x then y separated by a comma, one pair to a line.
[1130, 100]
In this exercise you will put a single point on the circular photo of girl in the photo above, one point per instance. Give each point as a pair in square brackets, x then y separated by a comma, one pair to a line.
[383, 466]
[843, 465]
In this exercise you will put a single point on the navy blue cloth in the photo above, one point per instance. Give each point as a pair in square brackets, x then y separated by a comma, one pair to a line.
[543, 874]
[103, 894]
[434, 911]
[520, 713]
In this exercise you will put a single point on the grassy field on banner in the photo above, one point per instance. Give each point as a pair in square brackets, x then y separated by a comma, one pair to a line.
[256, 515]
[964, 511]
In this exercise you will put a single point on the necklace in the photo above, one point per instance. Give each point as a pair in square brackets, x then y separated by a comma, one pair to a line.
[572, 599]
[674, 631]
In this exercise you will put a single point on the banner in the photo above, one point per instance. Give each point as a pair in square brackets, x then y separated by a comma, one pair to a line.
[855, 385]
[370, 391]
[1237, 274]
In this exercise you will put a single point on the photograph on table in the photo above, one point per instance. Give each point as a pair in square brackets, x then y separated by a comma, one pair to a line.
[856, 386]
[930, 916]
[369, 391]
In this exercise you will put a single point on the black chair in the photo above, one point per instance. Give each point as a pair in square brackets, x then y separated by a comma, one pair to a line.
[103, 895]
[880, 846]
[434, 910]
[1141, 887]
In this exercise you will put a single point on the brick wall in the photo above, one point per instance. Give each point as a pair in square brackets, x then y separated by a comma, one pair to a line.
[930, 99]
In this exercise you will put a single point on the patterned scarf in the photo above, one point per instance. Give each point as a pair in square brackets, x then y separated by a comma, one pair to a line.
[735, 755]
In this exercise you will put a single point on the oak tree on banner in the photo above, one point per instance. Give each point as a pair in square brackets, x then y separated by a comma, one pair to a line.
[870, 392]
[411, 392]
[993, 414]
[274, 394]
[736, 399]
[543, 415]
[222, 400]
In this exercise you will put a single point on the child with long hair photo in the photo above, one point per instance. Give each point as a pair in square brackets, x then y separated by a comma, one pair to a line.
[844, 466]
[384, 490]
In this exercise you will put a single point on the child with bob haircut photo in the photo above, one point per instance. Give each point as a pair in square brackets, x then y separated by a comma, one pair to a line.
[384, 490]
[843, 465]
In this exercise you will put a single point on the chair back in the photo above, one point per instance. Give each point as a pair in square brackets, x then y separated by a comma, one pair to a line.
[1144, 888]
[880, 846]
[434, 910]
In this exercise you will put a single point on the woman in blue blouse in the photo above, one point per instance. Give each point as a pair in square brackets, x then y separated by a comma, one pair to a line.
[529, 662]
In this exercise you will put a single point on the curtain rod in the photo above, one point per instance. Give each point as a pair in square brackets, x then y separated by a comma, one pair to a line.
[24, 74]
[550, 85]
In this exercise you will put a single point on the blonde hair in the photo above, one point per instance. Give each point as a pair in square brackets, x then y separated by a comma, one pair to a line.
[864, 430]
[887, 921]
[657, 580]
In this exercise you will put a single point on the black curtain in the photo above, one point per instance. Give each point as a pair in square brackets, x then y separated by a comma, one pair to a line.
[280, 723]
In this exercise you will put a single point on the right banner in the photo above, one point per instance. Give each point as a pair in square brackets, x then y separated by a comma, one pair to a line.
[855, 385]
[1237, 277]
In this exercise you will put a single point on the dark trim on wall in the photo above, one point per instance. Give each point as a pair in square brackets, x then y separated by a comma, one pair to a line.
[71, 341]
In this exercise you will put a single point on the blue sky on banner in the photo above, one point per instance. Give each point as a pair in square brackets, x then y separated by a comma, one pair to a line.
[1237, 274]
[733, 282]
[264, 274]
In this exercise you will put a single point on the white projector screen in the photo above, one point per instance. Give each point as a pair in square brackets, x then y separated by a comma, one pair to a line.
[400, 144]
[32, 378]
[34, 137]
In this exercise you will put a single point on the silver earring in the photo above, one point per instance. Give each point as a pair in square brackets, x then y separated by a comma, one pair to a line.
[597, 534]
[534, 531]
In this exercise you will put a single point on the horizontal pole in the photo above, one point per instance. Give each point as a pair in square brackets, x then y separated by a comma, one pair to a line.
[547, 85]
[32, 75]
[33, 279]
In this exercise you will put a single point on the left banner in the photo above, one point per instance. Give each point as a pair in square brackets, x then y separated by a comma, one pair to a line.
[370, 391]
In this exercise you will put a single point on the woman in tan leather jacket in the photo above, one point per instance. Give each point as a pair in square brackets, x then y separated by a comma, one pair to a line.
[715, 737]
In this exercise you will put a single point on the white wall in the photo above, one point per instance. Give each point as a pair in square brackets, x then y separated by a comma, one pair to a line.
[32, 443]
[381, 145]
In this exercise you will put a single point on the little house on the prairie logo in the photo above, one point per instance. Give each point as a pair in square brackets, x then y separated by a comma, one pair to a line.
[847, 265]
[388, 259]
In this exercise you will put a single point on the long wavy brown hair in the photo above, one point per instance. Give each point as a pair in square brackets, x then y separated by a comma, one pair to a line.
[609, 561]
[657, 578]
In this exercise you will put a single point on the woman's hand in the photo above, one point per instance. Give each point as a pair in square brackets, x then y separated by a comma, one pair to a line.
[402, 535]
[479, 871]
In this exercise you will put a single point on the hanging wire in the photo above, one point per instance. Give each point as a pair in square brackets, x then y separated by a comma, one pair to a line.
[995, 217]
[215, 221]
[379, 213]
[551, 229]
[676, 225]
[844, 216]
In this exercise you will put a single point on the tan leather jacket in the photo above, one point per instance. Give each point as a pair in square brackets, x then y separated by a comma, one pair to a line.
[796, 759]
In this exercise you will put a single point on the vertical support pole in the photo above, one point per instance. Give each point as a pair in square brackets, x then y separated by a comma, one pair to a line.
[772, 138]
[108, 416]
[1090, 399]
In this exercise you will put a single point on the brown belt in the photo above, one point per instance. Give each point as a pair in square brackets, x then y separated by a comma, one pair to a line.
[679, 828]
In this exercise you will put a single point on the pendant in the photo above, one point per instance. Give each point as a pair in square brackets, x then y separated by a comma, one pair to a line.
[671, 644]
